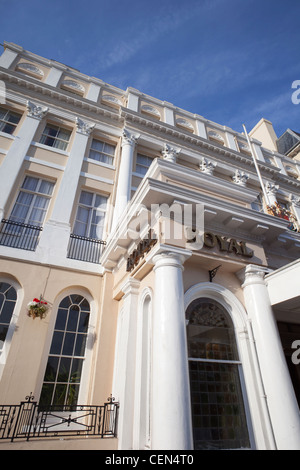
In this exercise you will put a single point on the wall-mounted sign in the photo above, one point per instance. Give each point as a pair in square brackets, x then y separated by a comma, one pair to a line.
[230, 245]
[143, 247]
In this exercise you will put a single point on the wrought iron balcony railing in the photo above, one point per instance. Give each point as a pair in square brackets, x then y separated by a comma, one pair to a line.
[19, 235]
[85, 249]
[29, 420]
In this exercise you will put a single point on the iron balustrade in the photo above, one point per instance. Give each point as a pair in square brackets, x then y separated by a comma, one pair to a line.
[19, 235]
[29, 420]
[85, 249]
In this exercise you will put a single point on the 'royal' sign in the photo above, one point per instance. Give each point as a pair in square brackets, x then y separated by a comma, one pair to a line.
[230, 245]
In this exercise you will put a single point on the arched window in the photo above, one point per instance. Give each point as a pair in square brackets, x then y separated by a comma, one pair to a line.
[218, 412]
[8, 298]
[67, 352]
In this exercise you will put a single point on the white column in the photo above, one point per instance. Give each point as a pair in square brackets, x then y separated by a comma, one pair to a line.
[15, 156]
[280, 396]
[56, 232]
[171, 410]
[123, 194]
[126, 361]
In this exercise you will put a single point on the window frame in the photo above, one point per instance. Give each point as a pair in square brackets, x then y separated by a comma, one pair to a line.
[238, 316]
[86, 374]
[61, 356]
[31, 206]
[232, 363]
[91, 209]
[102, 152]
[145, 167]
[14, 319]
[45, 136]
[7, 122]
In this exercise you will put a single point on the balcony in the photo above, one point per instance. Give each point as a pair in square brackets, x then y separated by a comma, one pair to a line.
[29, 420]
[85, 249]
[19, 235]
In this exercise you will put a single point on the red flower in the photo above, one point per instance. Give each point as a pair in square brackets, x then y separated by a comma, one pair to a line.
[36, 300]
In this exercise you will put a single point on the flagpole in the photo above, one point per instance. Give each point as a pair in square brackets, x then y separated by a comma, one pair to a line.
[257, 168]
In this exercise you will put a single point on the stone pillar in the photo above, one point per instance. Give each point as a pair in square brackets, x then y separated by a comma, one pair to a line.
[58, 226]
[126, 361]
[280, 396]
[123, 194]
[171, 409]
[15, 156]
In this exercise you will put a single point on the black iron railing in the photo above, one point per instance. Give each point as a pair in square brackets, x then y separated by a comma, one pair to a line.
[19, 235]
[85, 249]
[29, 420]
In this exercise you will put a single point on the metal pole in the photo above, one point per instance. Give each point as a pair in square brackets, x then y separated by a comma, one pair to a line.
[257, 168]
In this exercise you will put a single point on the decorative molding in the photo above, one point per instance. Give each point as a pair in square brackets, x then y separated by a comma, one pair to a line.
[170, 153]
[73, 86]
[207, 166]
[184, 123]
[244, 147]
[111, 99]
[31, 69]
[240, 177]
[271, 188]
[216, 136]
[84, 127]
[35, 111]
[295, 200]
[146, 108]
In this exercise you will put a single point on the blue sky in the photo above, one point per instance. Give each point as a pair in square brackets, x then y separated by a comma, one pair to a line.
[231, 61]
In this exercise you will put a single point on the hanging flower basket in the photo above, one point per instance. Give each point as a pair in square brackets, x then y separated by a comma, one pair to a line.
[37, 308]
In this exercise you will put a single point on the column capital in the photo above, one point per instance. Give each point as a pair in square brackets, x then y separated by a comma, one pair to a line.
[170, 153]
[84, 127]
[295, 200]
[131, 286]
[166, 255]
[35, 111]
[207, 166]
[240, 177]
[128, 138]
[252, 274]
[272, 188]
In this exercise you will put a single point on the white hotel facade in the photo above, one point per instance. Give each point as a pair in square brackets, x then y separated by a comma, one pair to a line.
[195, 337]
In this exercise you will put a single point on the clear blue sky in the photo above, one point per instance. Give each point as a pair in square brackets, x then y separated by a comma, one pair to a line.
[231, 61]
